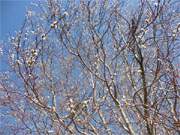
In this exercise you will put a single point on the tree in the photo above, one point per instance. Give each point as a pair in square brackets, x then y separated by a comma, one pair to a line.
[94, 67]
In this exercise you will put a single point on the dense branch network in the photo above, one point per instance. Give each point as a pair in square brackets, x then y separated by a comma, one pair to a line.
[94, 67]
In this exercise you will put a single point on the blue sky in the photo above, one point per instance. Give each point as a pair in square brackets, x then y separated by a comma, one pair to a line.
[12, 14]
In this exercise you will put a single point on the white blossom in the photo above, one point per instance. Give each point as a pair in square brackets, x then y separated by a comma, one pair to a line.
[30, 13]
[18, 62]
[66, 14]
[51, 131]
[54, 24]
[44, 37]
[1, 51]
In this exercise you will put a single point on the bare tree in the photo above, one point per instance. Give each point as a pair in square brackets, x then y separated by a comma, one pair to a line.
[94, 67]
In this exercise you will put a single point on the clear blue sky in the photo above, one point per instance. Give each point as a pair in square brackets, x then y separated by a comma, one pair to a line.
[12, 14]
